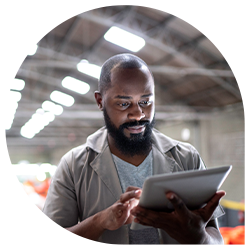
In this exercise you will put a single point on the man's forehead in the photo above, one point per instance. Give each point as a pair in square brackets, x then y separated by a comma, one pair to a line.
[130, 73]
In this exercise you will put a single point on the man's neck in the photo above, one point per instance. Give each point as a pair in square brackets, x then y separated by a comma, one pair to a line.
[135, 160]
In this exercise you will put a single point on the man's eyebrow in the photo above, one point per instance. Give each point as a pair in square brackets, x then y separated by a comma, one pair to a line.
[123, 97]
[148, 95]
[129, 97]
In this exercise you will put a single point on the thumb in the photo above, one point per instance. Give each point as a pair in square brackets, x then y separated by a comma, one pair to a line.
[208, 210]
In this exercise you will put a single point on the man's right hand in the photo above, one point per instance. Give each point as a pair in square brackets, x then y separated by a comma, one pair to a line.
[118, 214]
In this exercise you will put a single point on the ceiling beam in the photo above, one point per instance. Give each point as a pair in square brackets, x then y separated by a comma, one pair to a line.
[159, 26]
[53, 81]
[108, 22]
[156, 69]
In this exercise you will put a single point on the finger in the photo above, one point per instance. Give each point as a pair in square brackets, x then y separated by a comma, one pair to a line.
[141, 216]
[134, 194]
[121, 209]
[149, 217]
[208, 210]
[179, 206]
[131, 188]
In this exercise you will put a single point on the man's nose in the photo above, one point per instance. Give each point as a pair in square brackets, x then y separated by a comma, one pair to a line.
[136, 113]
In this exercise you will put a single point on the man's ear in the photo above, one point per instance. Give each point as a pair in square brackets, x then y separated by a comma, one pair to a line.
[98, 98]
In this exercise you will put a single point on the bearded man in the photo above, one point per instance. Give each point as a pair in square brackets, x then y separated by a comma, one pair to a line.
[95, 190]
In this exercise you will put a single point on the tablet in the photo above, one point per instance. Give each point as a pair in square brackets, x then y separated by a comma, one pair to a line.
[194, 187]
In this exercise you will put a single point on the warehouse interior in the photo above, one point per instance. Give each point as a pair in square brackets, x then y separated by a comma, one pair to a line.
[197, 97]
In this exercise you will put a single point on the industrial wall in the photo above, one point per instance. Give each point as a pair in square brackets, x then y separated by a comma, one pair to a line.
[220, 141]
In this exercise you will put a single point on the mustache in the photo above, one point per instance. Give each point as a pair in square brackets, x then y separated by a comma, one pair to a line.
[134, 123]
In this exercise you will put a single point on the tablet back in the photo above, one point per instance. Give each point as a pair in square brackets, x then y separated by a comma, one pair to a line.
[194, 187]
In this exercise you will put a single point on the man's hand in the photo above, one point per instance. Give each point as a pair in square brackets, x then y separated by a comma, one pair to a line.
[118, 214]
[187, 227]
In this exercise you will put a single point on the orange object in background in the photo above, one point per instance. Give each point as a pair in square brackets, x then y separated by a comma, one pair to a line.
[233, 235]
[42, 188]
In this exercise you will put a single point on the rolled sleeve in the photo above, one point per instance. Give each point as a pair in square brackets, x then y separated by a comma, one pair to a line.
[61, 204]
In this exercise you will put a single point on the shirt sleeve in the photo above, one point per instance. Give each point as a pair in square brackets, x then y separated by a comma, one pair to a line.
[61, 205]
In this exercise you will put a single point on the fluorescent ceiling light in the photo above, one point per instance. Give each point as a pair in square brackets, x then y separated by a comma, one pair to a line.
[124, 39]
[21, 47]
[17, 84]
[15, 96]
[52, 107]
[62, 98]
[41, 11]
[11, 105]
[89, 69]
[36, 123]
[75, 85]
[40, 119]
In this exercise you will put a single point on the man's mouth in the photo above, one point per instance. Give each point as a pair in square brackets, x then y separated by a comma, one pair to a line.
[136, 129]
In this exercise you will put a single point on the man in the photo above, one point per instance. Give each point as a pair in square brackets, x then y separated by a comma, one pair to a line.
[96, 187]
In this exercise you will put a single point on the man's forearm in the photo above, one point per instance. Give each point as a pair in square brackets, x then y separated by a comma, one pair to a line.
[85, 233]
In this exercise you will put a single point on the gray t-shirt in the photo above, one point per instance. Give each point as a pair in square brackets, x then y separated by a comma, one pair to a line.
[131, 175]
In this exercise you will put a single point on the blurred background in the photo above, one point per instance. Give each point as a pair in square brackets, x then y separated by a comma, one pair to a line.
[52, 107]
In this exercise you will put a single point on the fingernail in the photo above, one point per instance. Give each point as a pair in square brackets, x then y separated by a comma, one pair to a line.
[170, 196]
[126, 204]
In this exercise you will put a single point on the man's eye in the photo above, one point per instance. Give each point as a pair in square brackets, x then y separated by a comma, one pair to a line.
[145, 103]
[125, 104]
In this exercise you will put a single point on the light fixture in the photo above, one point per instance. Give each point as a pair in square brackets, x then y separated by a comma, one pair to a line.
[40, 119]
[185, 134]
[17, 84]
[124, 39]
[40, 11]
[52, 107]
[89, 69]
[15, 96]
[36, 123]
[62, 98]
[75, 85]
[21, 47]
[12, 104]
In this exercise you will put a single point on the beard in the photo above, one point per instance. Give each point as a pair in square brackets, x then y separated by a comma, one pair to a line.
[136, 144]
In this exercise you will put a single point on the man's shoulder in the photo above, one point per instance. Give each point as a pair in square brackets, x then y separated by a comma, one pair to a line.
[185, 154]
[94, 141]
[165, 143]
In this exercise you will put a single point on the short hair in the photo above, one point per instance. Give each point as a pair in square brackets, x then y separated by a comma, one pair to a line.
[123, 61]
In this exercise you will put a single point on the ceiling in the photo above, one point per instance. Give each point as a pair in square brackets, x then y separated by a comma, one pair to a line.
[192, 78]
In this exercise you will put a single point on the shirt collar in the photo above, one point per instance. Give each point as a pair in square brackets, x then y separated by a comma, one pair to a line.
[98, 140]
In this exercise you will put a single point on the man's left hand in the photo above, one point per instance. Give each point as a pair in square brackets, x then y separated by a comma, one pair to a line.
[184, 225]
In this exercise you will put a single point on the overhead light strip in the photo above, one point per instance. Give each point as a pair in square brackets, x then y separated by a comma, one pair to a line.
[90, 69]
[124, 39]
[17, 84]
[62, 98]
[76, 85]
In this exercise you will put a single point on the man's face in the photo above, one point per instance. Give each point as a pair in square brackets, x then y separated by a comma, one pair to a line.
[128, 107]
